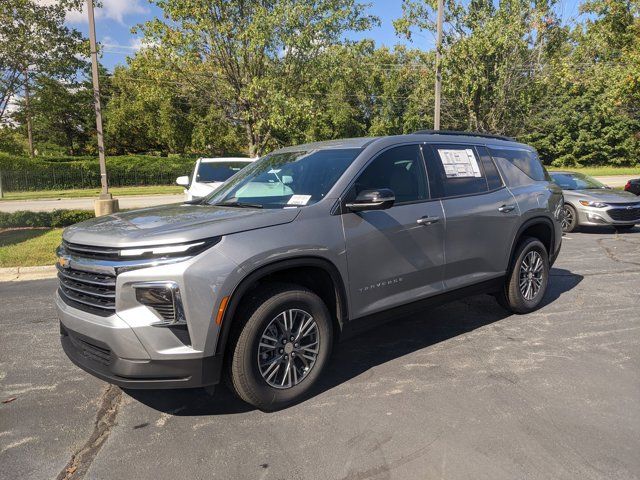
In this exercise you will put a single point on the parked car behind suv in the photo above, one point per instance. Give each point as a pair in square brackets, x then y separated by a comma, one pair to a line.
[210, 173]
[302, 248]
[590, 202]
[633, 186]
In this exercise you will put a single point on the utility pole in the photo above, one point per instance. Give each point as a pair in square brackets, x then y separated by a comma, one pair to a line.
[105, 204]
[27, 109]
[436, 113]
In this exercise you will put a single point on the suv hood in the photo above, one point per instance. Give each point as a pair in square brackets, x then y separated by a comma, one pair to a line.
[602, 195]
[172, 224]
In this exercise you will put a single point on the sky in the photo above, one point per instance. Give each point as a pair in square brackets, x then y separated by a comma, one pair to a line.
[117, 17]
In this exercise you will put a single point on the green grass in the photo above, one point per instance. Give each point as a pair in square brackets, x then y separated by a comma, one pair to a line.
[29, 248]
[602, 171]
[93, 192]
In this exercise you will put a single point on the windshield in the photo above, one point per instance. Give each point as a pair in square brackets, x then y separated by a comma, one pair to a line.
[218, 171]
[576, 181]
[280, 180]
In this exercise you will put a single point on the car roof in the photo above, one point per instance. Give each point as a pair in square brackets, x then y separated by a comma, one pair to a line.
[427, 136]
[227, 159]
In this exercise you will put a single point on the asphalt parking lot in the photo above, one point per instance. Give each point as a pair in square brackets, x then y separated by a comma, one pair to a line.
[463, 391]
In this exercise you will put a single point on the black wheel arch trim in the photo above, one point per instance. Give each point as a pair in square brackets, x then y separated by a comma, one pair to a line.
[280, 265]
[530, 223]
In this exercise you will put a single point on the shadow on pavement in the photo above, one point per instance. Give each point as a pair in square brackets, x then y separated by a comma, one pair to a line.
[591, 229]
[357, 355]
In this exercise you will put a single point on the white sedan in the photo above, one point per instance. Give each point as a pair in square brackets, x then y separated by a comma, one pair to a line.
[209, 173]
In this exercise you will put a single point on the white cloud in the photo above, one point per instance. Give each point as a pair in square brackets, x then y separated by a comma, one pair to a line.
[135, 44]
[111, 10]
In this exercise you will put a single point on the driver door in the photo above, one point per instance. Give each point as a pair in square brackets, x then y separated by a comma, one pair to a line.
[395, 256]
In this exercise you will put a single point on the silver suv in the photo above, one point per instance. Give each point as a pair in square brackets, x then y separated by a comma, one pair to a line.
[259, 279]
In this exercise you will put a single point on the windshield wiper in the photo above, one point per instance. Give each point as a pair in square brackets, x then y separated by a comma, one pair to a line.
[239, 204]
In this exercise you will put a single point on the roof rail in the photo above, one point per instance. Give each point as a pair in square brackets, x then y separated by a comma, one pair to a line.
[470, 134]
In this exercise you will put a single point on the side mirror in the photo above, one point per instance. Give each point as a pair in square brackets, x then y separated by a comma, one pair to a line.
[183, 181]
[379, 199]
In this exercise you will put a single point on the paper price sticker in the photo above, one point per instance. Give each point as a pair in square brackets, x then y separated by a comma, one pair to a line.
[299, 200]
[459, 163]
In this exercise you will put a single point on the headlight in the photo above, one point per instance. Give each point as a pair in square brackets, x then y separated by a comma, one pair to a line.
[177, 250]
[593, 204]
[165, 299]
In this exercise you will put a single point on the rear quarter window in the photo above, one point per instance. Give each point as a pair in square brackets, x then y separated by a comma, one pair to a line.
[526, 160]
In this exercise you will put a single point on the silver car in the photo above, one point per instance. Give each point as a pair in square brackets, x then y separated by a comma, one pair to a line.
[305, 246]
[590, 202]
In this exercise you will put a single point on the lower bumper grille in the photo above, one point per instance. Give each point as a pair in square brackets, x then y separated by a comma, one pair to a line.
[625, 214]
[88, 350]
[91, 292]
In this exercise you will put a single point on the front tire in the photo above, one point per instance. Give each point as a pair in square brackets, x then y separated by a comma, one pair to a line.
[527, 278]
[281, 347]
[569, 218]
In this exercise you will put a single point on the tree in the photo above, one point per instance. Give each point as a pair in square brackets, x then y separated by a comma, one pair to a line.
[34, 41]
[251, 58]
[588, 110]
[492, 56]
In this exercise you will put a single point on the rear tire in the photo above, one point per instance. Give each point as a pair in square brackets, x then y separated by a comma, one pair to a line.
[258, 371]
[570, 219]
[527, 278]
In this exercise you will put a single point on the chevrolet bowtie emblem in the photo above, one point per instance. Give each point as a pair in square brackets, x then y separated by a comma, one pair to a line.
[63, 262]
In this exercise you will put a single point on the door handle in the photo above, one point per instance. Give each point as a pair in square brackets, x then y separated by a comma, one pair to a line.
[506, 208]
[428, 220]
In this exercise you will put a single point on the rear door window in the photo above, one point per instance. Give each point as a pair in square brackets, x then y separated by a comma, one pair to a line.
[455, 170]
[525, 160]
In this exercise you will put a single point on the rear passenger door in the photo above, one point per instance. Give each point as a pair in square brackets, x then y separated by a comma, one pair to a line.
[481, 215]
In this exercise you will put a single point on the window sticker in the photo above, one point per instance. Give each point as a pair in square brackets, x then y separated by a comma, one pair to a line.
[459, 163]
[299, 200]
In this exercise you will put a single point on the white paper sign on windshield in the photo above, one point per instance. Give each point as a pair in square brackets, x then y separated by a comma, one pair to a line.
[299, 200]
[459, 163]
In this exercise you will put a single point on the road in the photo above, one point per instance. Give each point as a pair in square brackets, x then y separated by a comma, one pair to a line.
[140, 201]
[126, 202]
[463, 391]
[616, 181]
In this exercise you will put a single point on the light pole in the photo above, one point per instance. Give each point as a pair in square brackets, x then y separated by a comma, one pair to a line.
[105, 204]
[438, 93]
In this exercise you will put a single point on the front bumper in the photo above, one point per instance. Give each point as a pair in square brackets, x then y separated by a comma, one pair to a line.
[603, 216]
[129, 344]
[99, 360]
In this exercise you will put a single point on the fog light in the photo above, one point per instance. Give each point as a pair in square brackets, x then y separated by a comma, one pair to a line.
[592, 217]
[164, 298]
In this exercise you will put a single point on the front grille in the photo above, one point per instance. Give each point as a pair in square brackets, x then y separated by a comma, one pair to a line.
[625, 214]
[103, 253]
[91, 292]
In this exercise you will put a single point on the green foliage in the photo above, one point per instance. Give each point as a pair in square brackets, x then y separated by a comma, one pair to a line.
[252, 59]
[28, 30]
[55, 219]
[50, 173]
[219, 77]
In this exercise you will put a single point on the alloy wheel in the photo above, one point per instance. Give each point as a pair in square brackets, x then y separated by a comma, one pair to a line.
[567, 218]
[288, 348]
[531, 275]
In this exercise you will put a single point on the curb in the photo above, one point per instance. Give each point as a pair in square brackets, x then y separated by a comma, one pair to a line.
[18, 274]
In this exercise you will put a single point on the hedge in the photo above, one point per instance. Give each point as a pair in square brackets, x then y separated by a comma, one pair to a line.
[55, 219]
[50, 173]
